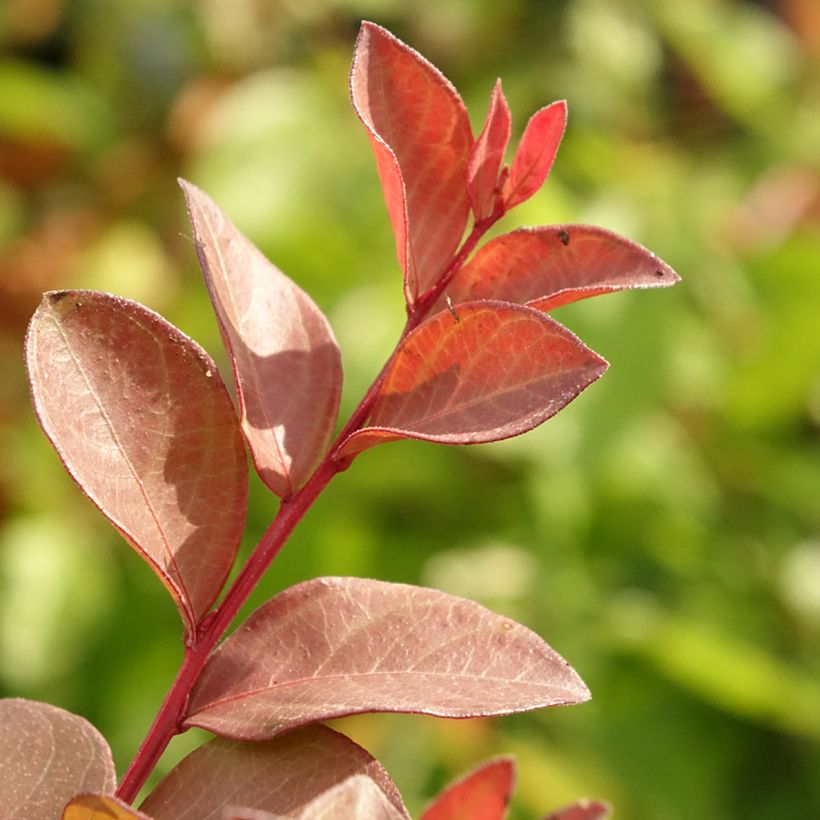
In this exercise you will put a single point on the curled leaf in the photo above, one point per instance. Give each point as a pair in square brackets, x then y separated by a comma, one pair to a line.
[484, 794]
[549, 266]
[536, 153]
[280, 776]
[47, 756]
[286, 362]
[140, 417]
[487, 156]
[338, 646]
[421, 137]
[487, 372]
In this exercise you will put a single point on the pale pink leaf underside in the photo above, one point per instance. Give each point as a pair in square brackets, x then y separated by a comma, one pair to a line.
[358, 798]
[140, 417]
[491, 371]
[100, 807]
[536, 153]
[582, 810]
[487, 155]
[421, 136]
[484, 794]
[47, 756]
[279, 776]
[286, 362]
[337, 646]
[549, 266]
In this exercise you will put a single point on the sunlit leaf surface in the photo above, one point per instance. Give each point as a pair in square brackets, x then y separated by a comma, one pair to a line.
[141, 419]
[487, 371]
[100, 807]
[47, 756]
[549, 266]
[421, 136]
[280, 776]
[286, 362]
[484, 794]
[337, 646]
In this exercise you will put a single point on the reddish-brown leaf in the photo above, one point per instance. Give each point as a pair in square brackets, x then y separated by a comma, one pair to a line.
[357, 797]
[100, 807]
[286, 362]
[47, 756]
[141, 419]
[582, 810]
[487, 156]
[420, 133]
[484, 794]
[487, 371]
[536, 153]
[549, 266]
[338, 646]
[279, 776]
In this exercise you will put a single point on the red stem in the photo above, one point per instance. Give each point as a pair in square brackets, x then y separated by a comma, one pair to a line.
[169, 719]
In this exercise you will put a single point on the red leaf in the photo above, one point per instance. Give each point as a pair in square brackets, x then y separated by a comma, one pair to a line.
[536, 153]
[279, 776]
[48, 755]
[582, 810]
[487, 156]
[493, 372]
[100, 807]
[549, 266]
[286, 362]
[338, 646]
[357, 797]
[420, 133]
[484, 794]
[141, 419]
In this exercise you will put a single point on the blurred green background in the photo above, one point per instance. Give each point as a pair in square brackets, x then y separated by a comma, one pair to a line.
[662, 533]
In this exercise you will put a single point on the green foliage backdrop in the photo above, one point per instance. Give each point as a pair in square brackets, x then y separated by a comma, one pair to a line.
[663, 533]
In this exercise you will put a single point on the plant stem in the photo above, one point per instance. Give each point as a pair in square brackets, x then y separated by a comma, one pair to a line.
[169, 720]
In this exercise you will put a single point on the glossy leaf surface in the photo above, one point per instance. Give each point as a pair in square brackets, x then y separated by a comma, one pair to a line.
[100, 807]
[339, 646]
[536, 153]
[582, 810]
[141, 419]
[487, 155]
[492, 371]
[279, 776]
[549, 266]
[421, 136]
[484, 794]
[286, 362]
[357, 797]
[47, 756]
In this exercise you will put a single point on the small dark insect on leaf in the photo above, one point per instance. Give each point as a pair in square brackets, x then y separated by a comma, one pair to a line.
[451, 308]
[564, 237]
[659, 273]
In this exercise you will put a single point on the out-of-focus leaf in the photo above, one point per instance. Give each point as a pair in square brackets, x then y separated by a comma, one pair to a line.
[279, 776]
[487, 155]
[100, 807]
[536, 153]
[421, 136]
[141, 419]
[357, 797]
[484, 794]
[489, 372]
[286, 362]
[549, 266]
[582, 810]
[339, 646]
[47, 756]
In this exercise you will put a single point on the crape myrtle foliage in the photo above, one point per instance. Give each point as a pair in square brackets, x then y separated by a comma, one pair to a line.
[142, 420]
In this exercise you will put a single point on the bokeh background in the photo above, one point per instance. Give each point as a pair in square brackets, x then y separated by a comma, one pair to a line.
[663, 533]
